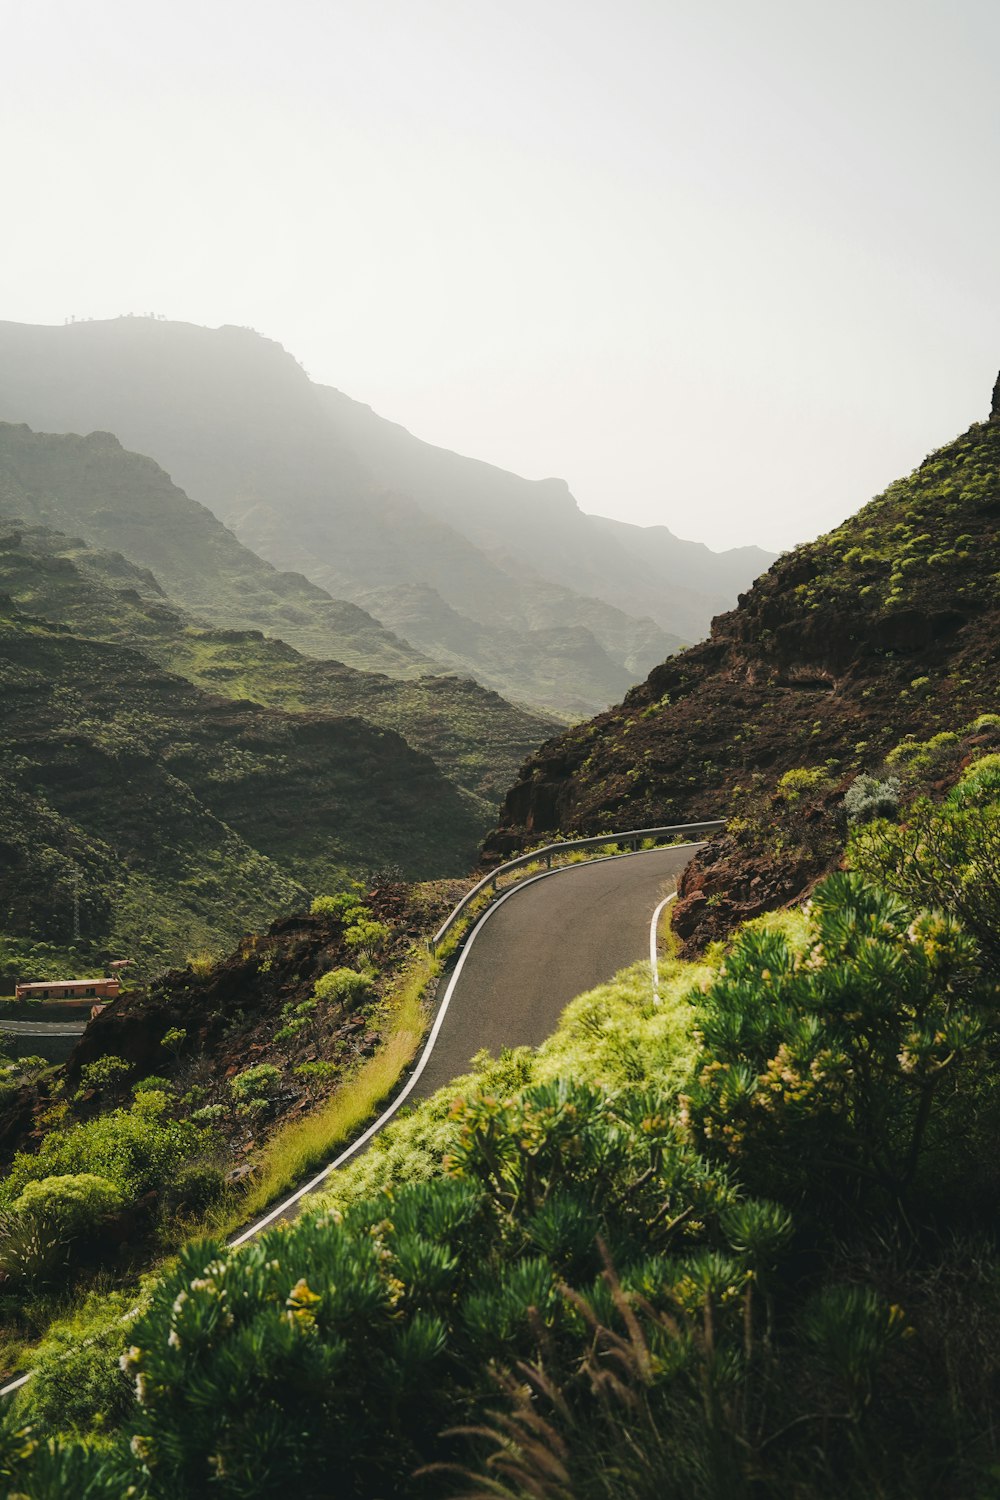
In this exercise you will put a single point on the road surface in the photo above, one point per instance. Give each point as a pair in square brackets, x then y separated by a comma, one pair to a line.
[549, 941]
[43, 1028]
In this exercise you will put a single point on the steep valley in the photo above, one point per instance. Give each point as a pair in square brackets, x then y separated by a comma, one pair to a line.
[239, 764]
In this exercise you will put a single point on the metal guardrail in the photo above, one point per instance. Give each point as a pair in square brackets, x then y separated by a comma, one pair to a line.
[634, 836]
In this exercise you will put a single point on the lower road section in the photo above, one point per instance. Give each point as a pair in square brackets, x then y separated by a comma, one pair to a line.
[544, 944]
[43, 1028]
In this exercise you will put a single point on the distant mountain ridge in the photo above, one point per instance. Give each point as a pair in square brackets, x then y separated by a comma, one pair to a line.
[124, 502]
[537, 524]
[481, 570]
[475, 738]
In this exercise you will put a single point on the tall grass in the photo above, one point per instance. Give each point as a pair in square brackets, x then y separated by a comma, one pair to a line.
[300, 1146]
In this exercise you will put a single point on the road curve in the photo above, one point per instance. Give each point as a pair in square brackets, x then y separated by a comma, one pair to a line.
[548, 941]
[551, 938]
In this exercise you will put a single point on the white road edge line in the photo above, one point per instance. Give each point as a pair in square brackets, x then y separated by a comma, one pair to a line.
[401, 1097]
[654, 929]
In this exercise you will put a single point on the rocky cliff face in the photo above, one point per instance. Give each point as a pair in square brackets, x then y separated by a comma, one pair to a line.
[884, 628]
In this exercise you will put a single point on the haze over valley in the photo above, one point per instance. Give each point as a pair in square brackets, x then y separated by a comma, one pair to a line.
[477, 570]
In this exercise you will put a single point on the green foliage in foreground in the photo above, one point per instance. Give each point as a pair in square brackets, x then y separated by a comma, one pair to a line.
[711, 1250]
[53, 1219]
[132, 1148]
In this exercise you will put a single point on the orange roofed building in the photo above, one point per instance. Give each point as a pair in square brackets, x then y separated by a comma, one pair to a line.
[69, 989]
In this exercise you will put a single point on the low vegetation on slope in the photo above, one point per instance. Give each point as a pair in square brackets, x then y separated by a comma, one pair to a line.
[884, 628]
[92, 487]
[737, 1245]
[169, 820]
[199, 1098]
[476, 738]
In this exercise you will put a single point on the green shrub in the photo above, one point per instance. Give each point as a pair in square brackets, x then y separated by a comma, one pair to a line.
[135, 1153]
[851, 1330]
[106, 1073]
[297, 1018]
[152, 1084]
[842, 1057]
[867, 797]
[209, 1114]
[173, 1040]
[367, 937]
[343, 906]
[979, 785]
[256, 1083]
[51, 1219]
[803, 782]
[201, 963]
[918, 761]
[150, 1104]
[315, 1074]
[946, 856]
[72, 1206]
[195, 1187]
[343, 987]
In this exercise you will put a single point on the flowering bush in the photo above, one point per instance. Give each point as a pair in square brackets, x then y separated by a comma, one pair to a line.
[826, 1062]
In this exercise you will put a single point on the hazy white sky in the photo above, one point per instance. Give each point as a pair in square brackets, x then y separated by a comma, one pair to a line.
[728, 265]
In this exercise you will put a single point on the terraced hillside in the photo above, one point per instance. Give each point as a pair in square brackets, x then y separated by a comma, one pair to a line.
[178, 819]
[92, 487]
[476, 738]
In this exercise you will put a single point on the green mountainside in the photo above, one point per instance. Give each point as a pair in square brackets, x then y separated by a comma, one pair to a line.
[476, 739]
[882, 629]
[91, 487]
[485, 572]
[181, 819]
[719, 1245]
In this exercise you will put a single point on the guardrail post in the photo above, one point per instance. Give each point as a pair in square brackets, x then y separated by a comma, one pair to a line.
[548, 859]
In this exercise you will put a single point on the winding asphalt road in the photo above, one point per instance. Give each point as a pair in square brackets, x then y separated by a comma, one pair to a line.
[545, 943]
[533, 951]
